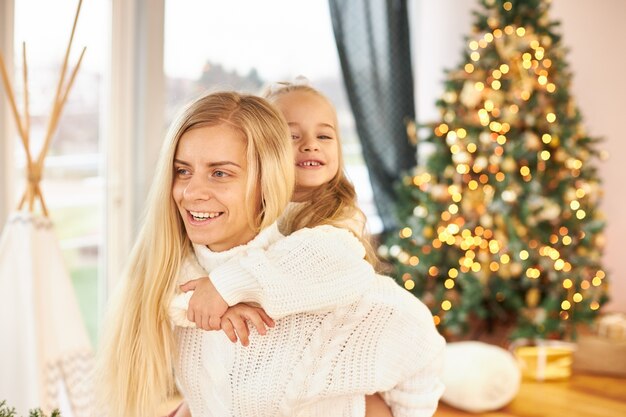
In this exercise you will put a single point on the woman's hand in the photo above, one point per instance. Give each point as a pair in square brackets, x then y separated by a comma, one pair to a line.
[206, 306]
[375, 406]
[234, 322]
[181, 411]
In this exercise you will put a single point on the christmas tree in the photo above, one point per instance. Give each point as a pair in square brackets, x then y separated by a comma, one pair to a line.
[500, 224]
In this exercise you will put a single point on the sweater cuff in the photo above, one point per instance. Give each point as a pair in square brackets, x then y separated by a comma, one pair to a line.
[235, 284]
[190, 269]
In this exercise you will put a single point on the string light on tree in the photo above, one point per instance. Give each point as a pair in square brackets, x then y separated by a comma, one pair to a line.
[502, 221]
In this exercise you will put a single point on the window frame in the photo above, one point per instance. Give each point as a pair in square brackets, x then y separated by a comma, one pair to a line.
[136, 66]
[7, 123]
[134, 85]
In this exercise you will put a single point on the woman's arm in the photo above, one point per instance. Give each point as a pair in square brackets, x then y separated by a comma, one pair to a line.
[385, 343]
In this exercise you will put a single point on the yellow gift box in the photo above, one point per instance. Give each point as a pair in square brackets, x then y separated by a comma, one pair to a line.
[544, 360]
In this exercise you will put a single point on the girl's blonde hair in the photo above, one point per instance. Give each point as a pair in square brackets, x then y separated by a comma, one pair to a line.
[334, 202]
[135, 364]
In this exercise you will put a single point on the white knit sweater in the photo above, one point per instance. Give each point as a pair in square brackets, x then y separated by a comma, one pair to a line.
[341, 332]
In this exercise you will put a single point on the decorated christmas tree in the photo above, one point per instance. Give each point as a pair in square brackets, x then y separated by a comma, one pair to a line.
[500, 224]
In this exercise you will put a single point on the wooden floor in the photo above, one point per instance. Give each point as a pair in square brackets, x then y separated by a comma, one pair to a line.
[583, 395]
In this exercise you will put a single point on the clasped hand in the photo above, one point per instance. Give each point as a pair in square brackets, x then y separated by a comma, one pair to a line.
[209, 310]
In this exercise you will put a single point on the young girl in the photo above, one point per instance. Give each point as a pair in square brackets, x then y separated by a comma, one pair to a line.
[323, 196]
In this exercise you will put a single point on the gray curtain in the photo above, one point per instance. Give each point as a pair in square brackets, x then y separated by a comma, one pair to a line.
[372, 39]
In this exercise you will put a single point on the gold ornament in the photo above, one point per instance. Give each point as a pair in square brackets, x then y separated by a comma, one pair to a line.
[516, 268]
[550, 211]
[532, 297]
[411, 131]
[480, 164]
[505, 271]
[439, 193]
[532, 141]
[461, 158]
[470, 96]
[522, 230]
[449, 172]
[509, 164]
[450, 97]
[560, 155]
[486, 221]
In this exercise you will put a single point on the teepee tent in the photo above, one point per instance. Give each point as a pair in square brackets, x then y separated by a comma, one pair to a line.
[45, 354]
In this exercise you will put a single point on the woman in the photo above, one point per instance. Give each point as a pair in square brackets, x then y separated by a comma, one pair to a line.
[138, 350]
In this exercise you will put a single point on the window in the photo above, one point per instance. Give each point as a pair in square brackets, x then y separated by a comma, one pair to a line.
[246, 44]
[73, 185]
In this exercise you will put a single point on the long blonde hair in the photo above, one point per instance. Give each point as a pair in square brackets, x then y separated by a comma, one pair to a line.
[335, 202]
[135, 364]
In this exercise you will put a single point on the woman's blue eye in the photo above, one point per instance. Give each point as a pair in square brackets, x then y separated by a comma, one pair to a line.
[220, 174]
[182, 171]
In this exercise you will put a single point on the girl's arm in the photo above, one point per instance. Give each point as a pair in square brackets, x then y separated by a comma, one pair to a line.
[313, 269]
[310, 270]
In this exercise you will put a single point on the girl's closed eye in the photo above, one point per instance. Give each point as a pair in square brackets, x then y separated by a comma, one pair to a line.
[325, 137]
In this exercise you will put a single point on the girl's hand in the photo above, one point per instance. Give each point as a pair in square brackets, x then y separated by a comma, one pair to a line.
[234, 322]
[206, 306]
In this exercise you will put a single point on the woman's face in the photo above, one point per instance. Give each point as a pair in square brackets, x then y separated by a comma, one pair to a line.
[312, 122]
[209, 188]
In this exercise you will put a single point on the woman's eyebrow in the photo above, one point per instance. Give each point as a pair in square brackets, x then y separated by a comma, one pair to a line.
[220, 163]
[210, 164]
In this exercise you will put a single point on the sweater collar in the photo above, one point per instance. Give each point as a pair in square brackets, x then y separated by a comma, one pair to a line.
[210, 259]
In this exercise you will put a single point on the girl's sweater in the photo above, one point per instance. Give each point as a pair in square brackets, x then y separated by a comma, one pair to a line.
[328, 263]
[363, 334]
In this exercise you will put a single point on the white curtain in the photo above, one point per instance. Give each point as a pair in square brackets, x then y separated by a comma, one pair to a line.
[45, 354]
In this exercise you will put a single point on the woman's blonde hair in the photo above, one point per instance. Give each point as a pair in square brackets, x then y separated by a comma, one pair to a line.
[335, 202]
[135, 364]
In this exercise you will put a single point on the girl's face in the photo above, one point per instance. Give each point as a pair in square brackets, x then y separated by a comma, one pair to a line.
[209, 187]
[312, 121]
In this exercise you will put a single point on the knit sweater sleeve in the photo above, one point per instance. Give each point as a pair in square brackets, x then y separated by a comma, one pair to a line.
[417, 395]
[413, 359]
[313, 269]
[190, 269]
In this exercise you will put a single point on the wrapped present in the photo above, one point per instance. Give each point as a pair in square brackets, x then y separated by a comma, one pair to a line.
[612, 326]
[604, 351]
[544, 360]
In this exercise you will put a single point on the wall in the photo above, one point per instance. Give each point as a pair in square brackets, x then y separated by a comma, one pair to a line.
[594, 33]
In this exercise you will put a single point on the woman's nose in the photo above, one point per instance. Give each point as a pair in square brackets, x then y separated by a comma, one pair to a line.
[197, 189]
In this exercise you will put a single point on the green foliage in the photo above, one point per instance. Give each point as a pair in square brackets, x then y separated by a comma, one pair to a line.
[5, 411]
[501, 223]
